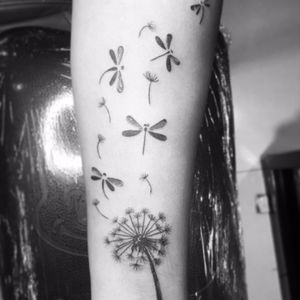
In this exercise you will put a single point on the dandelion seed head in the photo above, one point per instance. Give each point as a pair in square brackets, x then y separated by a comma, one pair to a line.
[145, 211]
[101, 138]
[96, 202]
[151, 25]
[167, 229]
[116, 256]
[164, 241]
[124, 221]
[157, 261]
[162, 217]
[115, 220]
[151, 217]
[102, 102]
[136, 266]
[139, 241]
[144, 176]
[151, 77]
[129, 211]
[137, 215]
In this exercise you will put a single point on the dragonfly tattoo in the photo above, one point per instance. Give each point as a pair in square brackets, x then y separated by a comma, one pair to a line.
[200, 8]
[146, 128]
[106, 181]
[169, 52]
[117, 69]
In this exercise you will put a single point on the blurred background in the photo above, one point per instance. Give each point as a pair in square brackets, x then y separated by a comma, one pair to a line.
[265, 77]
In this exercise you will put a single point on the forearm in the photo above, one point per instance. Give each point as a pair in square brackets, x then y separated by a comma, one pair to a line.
[172, 96]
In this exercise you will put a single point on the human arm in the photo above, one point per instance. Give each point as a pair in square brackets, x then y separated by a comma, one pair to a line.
[174, 100]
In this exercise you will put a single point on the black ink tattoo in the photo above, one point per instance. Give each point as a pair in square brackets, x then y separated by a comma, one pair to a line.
[102, 103]
[141, 238]
[200, 8]
[152, 78]
[106, 181]
[145, 177]
[150, 25]
[146, 128]
[117, 69]
[100, 140]
[96, 203]
[169, 52]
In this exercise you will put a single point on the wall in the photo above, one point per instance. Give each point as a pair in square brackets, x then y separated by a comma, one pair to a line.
[265, 69]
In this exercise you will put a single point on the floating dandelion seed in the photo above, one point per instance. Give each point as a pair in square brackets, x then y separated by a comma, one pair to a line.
[141, 238]
[150, 25]
[200, 8]
[102, 103]
[144, 177]
[96, 203]
[101, 140]
[152, 78]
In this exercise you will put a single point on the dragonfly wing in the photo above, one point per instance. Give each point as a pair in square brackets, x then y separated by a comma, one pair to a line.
[133, 122]
[175, 60]
[159, 125]
[120, 86]
[113, 56]
[129, 133]
[113, 79]
[158, 136]
[160, 42]
[169, 40]
[168, 63]
[93, 177]
[97, 172]
[115, 181]
[120, 54]
[109, 185]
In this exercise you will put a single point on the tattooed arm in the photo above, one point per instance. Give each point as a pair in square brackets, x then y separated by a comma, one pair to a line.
[141, 71]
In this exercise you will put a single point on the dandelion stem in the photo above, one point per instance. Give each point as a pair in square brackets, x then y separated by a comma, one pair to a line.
[154, 274]
[101, 213]
[142, 29]
[108, 112]
[150, 185]
[149, 93]
[98, 150]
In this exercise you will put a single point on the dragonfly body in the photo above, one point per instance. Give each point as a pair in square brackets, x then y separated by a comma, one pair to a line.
[146, 128]
[117, 69]
[169, 52]
[106, 181]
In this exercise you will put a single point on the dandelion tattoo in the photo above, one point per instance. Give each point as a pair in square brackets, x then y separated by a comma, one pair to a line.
[145, 177]
[146, 128]
[200, 8]
[106, 181]
[96, 203]
[169, 52]
[140, 238]
[102, 103]
[117, 69]
[100, 140]
[150, 25]
[152, 78]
